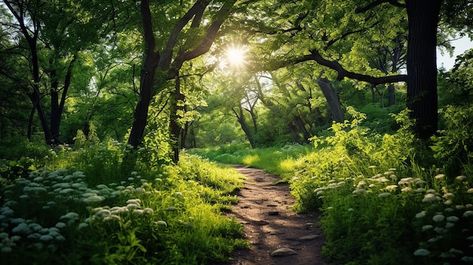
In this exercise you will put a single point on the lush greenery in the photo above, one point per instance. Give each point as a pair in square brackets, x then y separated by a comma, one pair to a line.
[384, 198]
[109, 110]
[276, 160]
[80, 208]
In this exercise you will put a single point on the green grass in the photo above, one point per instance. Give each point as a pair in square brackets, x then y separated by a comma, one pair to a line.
[86, 214]
[276, 160]
[383, 197]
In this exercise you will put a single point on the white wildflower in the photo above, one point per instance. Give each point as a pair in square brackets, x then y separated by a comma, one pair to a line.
[468, 214]
[449, 196]
[132, 206]
[35, 227]
[148, 211]
[359, 191]
[138, 211]
[406, 189]
[421, 214]
[22, 228]
[46, 238]
[429, 197]
[455, 251]
[467, 259]
[71, 216]
[102, 213]
[452, 218]
[449, 225]
[93, 199]
[112, 218]
[161, 223]
[17, 221]
[421, 252]
[460, 178]
[420, 190]
[384, 194]
[34, 236]
[134, 201]
[438, 218]
[60, 225]
[427, 227]
[405, 181]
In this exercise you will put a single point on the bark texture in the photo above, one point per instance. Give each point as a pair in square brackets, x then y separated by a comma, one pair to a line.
[423, 17]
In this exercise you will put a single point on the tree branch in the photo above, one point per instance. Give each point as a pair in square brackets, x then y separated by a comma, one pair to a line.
[336, 66]
[210, 36]
[147, 27]
[195, 10]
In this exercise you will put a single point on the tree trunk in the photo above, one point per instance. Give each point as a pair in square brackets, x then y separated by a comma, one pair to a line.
[192, 140]
[141, 111]
[54, 115]
[244, 126]
[150, 63]
[333, 102]
[423, 17]
[300, 124]
[391, 95]
[174, 127]
[36, 96]
[293, 131]
[57, 104]
[184, 135]
[29, 132]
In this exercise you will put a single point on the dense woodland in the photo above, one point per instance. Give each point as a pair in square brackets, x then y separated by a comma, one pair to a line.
[111, 112]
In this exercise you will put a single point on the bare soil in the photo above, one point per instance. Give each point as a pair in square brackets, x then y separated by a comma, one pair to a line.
[265, 210]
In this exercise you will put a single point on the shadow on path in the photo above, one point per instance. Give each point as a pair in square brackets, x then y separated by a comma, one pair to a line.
[265, 209]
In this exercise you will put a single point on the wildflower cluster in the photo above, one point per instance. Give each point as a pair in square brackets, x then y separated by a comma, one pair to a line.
[53, 192]
[442, 212]
[61, 215]
[446, 220]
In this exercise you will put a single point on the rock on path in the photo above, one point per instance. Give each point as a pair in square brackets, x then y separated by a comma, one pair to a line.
[277, 235]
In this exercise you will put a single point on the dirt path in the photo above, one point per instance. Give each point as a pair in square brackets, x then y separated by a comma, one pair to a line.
[271, 224]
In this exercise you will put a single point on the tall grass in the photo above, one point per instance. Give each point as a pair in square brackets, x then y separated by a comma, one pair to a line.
[82, 209]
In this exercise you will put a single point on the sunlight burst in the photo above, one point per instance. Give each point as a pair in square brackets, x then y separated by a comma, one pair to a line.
[235, 57]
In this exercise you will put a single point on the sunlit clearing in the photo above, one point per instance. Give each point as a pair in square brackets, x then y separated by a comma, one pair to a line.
[235, 57]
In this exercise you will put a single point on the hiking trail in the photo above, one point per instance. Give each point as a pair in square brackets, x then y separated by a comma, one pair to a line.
[277, 235]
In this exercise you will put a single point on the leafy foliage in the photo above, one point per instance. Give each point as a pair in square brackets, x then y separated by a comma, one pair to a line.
[171, 216]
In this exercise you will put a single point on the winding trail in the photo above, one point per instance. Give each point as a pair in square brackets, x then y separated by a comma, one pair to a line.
[265, 210]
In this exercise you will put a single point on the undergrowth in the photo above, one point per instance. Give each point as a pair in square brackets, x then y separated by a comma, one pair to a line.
[384, 198]
[80, 207]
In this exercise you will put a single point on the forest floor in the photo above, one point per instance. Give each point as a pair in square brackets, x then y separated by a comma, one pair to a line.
[277, 235]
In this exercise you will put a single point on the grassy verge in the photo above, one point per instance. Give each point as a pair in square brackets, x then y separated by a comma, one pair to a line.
[276, 160]
[82, 214]
[385, 199]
